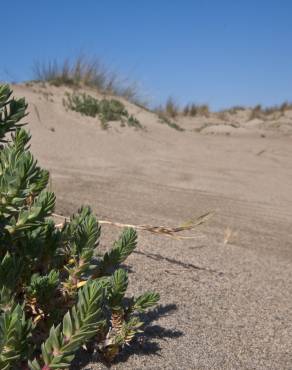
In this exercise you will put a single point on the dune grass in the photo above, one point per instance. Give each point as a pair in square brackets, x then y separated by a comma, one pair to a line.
[196, 110]
[269, 112]
[85, 71]
[172, 109]
[169, 109]
[256, 112]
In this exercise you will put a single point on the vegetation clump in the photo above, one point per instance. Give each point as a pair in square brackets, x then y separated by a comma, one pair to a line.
[56, 293]
[262, 113]
[172, 110]
[196, 110]
[82, 103]
[85, 71]
[106, 109]
[168, 122]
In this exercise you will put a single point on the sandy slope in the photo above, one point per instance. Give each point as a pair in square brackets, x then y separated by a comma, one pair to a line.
[224, 306]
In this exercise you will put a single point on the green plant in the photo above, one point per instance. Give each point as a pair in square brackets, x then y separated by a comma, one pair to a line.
[112, 110]
[169, 123]
[106, 109]
[134, 122]
[82, 103]
[56, 294]
[11, 112]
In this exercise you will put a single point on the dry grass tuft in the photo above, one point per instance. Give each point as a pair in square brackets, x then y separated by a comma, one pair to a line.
[270, 112]
[196, 110]
[85, 71]
[171, 108]
[256, 112]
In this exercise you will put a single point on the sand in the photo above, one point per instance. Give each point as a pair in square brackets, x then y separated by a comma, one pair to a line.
[226, 296]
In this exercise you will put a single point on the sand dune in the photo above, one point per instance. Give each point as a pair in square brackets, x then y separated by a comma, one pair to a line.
[224, 305]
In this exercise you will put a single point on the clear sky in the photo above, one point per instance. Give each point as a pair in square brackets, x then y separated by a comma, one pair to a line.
[220, 52]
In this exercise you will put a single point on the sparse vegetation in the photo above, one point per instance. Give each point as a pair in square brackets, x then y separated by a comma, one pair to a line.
[134, 122]
[164, 119]
[106, 109]
[171, 108]
[85, 71]
[285, 106]
[270, 112]
[82, 103]
[56, 293]
[278, 108]
[196, 110]
[256, 112]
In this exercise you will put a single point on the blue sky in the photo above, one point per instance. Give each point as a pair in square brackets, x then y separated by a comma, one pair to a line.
[218, 52]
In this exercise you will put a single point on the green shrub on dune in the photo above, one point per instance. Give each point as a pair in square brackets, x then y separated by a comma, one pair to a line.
[107, 110]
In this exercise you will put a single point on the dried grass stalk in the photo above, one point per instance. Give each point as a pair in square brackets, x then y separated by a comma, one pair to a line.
[172, 232]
